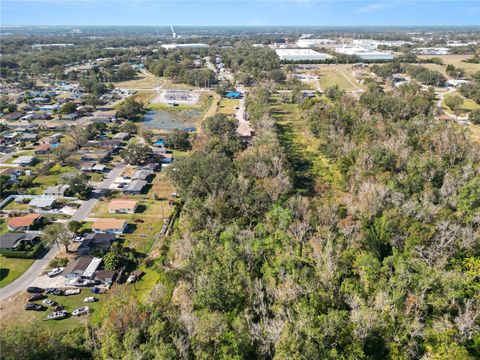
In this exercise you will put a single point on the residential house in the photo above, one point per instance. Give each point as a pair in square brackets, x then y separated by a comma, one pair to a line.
[12, 173]
[42, 149]
[122, 206]
[45, 203]
[27, 136]
[109, 225]
[142, 174]
[106, 276]
[101, 241]
[82, 267]
[121, 136]
[13, 116]
[58, 190]
[135, 187]
[14, 241]
[24, 160]
[25, 222]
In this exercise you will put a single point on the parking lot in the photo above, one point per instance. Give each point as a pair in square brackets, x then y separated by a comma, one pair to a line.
[181, 97]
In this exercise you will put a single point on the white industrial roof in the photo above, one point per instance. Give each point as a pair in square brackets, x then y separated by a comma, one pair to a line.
[92, 267]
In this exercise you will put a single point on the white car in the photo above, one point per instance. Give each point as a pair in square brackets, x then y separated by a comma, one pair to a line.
[81, 311]
[55, 272]
[131, 279]
[78, 239]
[57, 315]
[90, 299]
[49, 302]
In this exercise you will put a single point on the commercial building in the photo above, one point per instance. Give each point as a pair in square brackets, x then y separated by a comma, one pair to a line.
[299, 55]
[184, 46]
[365, 54]
[308, 43]
[432, 51]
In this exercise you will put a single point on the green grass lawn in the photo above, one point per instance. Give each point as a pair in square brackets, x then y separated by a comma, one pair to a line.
[468, 105]
[11, 269]
[330, 77]
[227, 106]
[70, 303]
[3, 227]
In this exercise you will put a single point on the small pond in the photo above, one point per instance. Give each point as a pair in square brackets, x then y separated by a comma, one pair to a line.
[171, 119]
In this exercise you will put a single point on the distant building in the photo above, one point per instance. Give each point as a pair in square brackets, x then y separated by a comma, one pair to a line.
[24, 160]
[184, 46]
[432, 51]
[365, 54]
[299, 55]
[233, 95]
[308, 43]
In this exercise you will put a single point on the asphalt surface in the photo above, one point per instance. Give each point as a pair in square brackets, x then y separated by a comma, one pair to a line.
[29, 276]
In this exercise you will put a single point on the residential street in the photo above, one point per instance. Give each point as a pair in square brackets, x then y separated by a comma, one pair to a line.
[39, 265]
[29, 276]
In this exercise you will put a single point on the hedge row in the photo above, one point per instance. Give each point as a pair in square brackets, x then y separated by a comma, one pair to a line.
[32, 254]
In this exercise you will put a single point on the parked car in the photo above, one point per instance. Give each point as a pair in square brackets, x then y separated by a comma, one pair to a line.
[81, 311]
[34, 290]
[49, 302]
[58, 308]
[78, 239]
[57, 315]
[35, 307]
[50, 291]
[55, 272]
[90, 299]
[35, 297]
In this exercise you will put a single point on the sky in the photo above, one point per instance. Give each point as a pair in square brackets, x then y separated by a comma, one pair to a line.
[239, 12]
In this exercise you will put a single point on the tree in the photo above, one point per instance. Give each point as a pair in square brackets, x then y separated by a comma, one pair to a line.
[111, 261]
[178, 139]
[74, 226]
[474, 117]
[148, 135]
[135, 154]
[125, 71]
[455, 103]
[129, 127]
[57, 234]
[79, 136]
[130, 109]
[277, 75]
[78, 183]
[68, 108]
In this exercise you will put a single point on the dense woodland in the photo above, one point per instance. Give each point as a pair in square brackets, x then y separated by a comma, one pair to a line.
[385, 267]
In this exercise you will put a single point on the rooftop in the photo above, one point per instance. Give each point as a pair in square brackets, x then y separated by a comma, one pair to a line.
[108, 224]
[122, 204]
[23, 221]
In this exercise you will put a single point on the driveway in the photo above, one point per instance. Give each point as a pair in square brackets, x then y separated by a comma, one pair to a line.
[29, 276]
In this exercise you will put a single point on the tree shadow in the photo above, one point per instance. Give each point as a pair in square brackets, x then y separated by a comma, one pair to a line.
[140, 209]
[4, 273]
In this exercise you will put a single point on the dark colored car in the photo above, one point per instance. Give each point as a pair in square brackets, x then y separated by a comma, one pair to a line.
[58, 308]
[35, 307]
[58, 292]
[35, 297]
[50, 291]
[34, 290]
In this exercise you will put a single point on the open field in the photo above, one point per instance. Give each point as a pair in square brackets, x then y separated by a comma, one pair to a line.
[11, 269]
[332, 75]
[468, 104]
[313, 172]
[475, 132]
[227, 106]
[455, 60]
[141, 81]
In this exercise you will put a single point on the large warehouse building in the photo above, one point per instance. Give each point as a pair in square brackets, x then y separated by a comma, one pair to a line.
[307, 43]
[184, 46]
[365, 54]
[299, 55]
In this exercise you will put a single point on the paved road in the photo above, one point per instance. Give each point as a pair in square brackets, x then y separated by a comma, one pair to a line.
[85, 209]
[29, 276]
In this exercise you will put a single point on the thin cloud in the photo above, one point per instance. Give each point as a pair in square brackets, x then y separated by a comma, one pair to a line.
[372, 7]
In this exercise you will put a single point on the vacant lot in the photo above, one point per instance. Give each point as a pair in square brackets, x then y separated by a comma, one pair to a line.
[455, 60]
[468, 105]
[331, 75]
[227, 106]
[144, 81]
[11, 269]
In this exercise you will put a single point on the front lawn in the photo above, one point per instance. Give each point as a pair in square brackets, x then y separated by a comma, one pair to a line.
[11, 269]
